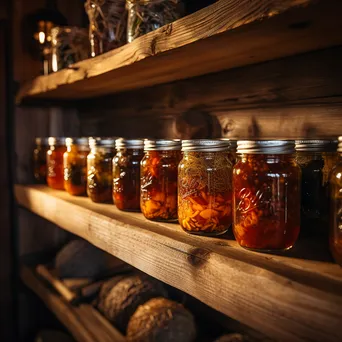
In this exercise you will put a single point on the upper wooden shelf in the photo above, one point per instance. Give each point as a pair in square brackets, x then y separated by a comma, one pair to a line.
[227, 34]
[292, 296]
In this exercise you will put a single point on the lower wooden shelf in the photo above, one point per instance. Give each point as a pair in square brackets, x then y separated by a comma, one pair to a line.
[83, 321]
[292, 296]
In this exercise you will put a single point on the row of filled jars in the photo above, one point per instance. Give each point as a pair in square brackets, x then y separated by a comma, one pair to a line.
[207, 185]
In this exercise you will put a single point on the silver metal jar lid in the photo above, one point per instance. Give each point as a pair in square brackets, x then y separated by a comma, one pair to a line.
[339, 148]
[53, 141]
[136, 144]
[44, 141]
[82, 141]
[102, 142]
[163, 145]
[232, 143]
[266, 146]
[205, 145]
[316, 145]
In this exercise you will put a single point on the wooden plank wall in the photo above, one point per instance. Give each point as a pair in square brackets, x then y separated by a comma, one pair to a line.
[298, 96]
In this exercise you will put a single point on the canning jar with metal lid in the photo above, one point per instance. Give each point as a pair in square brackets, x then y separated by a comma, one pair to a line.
[205, 187]
[159, 170]
[54, 162]
[316, 159]
[148, 15]
[99, 166]
[266, 200]
[336, 207]
[126, 173]
[39, 160]
[232, 146]
[75, 166]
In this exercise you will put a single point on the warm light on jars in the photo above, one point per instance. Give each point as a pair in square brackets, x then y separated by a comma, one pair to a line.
[75, 166]
[99, 165]
[266, 201]
[159, 170]
[54, 160]
[336, 207]
[126, 173]
[205, 187]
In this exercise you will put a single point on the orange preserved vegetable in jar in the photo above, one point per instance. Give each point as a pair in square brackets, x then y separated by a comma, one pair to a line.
[54, 161]
[159, 170]
[266, 185]
[336, 207]
[205, 187]
[39, 160]
[126, 173]
[75, 166]
[99, 166]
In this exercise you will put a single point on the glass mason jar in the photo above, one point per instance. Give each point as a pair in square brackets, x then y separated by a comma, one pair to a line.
[54, 162]
[39, 160]
[336, 207]
[99, 166]
[266, 201]
[159, 171]
[126, 173]
[232, 146]
[75, 166]
[148, 15]
[69, 45]
[205, 187]
[316, 159]
[107, 24]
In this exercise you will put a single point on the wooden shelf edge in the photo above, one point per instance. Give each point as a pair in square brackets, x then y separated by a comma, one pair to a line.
[83, 321]
[225, 35]
[215, 271]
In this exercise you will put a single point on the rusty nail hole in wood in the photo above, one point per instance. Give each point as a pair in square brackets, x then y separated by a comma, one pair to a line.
[300, 25]
[198, 256]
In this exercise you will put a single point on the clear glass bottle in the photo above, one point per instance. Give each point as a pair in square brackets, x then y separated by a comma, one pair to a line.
[266, 200]
[159, 171]
[107, 24]
[316, 159]
[75, 166]
[336, 207]
[205, 187]
[148, 15]
[54, 162]
[126, 173]
[39, 160]
[99, 166]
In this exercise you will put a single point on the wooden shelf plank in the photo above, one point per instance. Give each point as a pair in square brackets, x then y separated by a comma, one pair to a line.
[227, 34]
[83, 321]
[283, 296]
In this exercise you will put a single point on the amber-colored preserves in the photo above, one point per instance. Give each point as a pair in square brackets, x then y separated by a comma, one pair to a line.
[39, 160]
[266, 185]
[232, 145]
[159, 170]
[126, 174]
[99, 166]
[336, 208]
[54, 161]
[75, 166]
[205, 187]
[316, 159]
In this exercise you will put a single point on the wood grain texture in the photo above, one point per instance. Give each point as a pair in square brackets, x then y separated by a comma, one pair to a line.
[284, 296]
[227, 34]
[83, 323]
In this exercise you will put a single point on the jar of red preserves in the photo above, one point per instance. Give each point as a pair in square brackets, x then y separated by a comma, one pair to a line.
[316, 159]
[336, 207]
[75, 166]
[39, 160]
[266, 201]
[205, 187]
[159, 170]
[54, 161]
[126, 173]
[99, 166]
